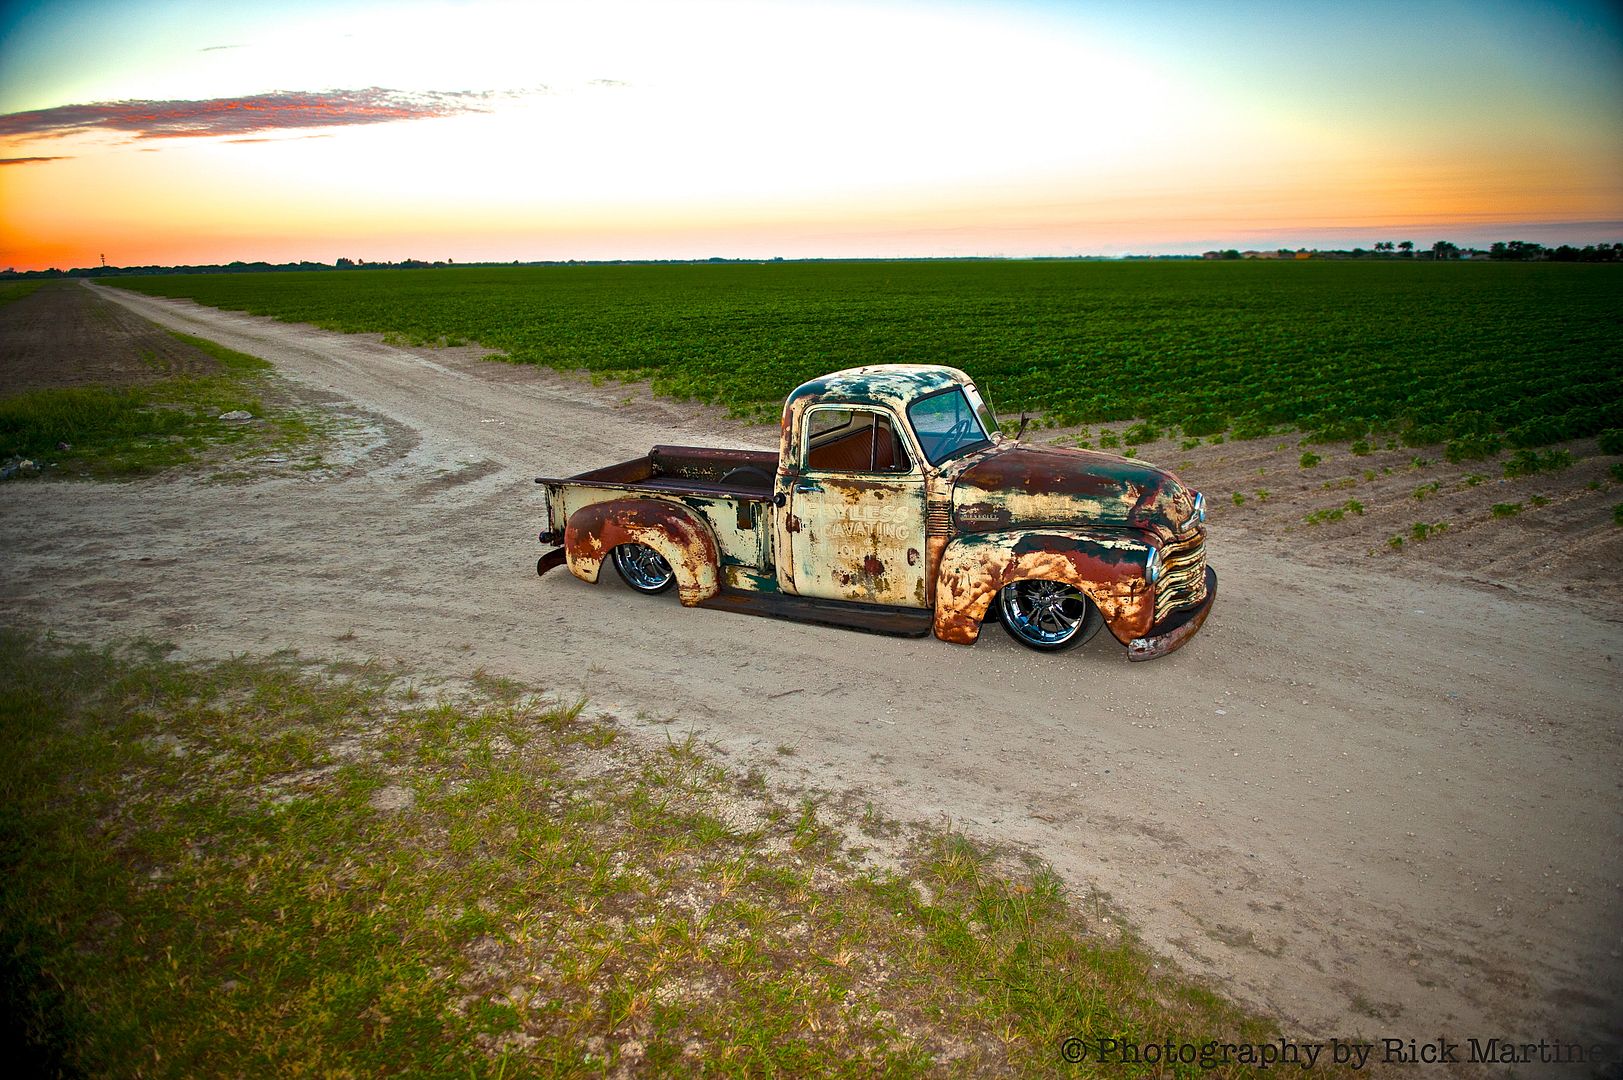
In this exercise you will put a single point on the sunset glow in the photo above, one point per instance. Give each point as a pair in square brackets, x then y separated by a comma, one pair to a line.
[194, 133]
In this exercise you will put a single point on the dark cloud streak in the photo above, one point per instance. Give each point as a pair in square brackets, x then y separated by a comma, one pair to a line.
[277, 111]
[30, 160]
[276, 138]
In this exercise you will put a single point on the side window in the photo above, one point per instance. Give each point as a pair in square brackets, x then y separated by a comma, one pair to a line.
[854, 440]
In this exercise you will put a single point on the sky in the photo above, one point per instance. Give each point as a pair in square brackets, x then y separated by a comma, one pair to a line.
[170, 131]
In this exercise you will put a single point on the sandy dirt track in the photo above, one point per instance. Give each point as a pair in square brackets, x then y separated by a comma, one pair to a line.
[1372, 804]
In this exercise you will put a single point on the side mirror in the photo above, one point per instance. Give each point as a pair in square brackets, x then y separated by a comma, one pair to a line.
[1021, 430]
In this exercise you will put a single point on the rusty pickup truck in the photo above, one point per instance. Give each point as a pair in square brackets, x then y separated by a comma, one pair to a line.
[894, 504]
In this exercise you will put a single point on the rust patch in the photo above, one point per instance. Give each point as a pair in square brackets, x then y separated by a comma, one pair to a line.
[791, 524]
[912, 556]
[1110, 570]
[1021, 485]
[934, 548]
[873, 567]
[678, 534]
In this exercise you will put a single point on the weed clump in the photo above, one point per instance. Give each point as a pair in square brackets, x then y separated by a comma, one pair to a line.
[1529, 462]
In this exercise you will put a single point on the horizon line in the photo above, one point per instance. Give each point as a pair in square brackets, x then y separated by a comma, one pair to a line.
[447, 263]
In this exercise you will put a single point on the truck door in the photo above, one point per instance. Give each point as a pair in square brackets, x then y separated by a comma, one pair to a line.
[854, 520]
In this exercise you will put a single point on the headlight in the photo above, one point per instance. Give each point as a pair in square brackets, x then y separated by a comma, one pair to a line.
[1152, 566]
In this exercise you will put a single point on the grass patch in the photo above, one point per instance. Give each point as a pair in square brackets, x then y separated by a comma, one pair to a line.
[259, 868]
[1425, 530]
[1141, 433]
[1472, 448]
[110, 432]
[1529, 462]
[16, 290]
[1335, 513]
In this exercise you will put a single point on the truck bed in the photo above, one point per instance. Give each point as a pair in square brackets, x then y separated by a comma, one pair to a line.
[731, 490]
[695, 470]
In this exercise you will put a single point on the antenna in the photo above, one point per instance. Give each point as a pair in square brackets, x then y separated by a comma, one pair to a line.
[104, 260]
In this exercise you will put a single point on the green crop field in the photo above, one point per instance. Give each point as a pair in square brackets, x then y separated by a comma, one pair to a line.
[1475, 354]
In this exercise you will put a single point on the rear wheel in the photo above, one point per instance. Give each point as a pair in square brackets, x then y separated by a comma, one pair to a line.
[1047, 615]
[643, 568]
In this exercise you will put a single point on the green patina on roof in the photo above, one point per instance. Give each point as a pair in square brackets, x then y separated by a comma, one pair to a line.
[897, 385]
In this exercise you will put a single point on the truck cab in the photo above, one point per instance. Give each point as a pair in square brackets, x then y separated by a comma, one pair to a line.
[896, 504]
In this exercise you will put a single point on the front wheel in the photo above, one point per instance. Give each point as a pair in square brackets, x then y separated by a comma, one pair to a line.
[643, 568]
[1047, 615]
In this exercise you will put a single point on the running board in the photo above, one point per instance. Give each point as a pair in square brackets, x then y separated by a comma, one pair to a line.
[873, 618]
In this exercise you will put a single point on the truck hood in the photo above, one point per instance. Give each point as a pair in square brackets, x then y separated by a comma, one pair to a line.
[1016, 485]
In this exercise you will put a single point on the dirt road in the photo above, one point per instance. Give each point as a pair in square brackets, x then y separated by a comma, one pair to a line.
[1374, 805]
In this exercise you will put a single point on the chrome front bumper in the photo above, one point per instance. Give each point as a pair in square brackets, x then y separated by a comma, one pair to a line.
[1171, 633]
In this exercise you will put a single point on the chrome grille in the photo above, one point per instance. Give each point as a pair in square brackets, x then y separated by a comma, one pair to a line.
[1183, 575]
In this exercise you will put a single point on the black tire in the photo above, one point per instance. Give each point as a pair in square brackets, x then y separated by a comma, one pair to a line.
[1048, 616]
[643, 568]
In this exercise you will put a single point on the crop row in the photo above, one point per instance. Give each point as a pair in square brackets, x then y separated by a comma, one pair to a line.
[1526, 354]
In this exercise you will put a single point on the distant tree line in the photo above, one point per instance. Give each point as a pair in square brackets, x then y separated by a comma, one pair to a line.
[1526, 251]
[351, 264]
[1511, 251]
[1503, 251]
[226, 268]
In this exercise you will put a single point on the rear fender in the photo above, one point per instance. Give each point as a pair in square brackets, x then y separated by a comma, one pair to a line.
[679, 535]
[1107, 566]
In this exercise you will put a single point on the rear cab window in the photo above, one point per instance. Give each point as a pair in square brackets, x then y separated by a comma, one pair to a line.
[854, 440]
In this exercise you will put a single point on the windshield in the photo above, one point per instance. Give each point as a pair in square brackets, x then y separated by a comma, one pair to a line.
[946, 425]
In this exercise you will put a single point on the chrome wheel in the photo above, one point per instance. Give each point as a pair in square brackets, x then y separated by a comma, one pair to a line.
[642, 568]
[1047, 615]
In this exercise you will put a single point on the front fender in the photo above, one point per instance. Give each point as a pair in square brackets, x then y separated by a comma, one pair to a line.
[1107, 566]
[679, 535]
